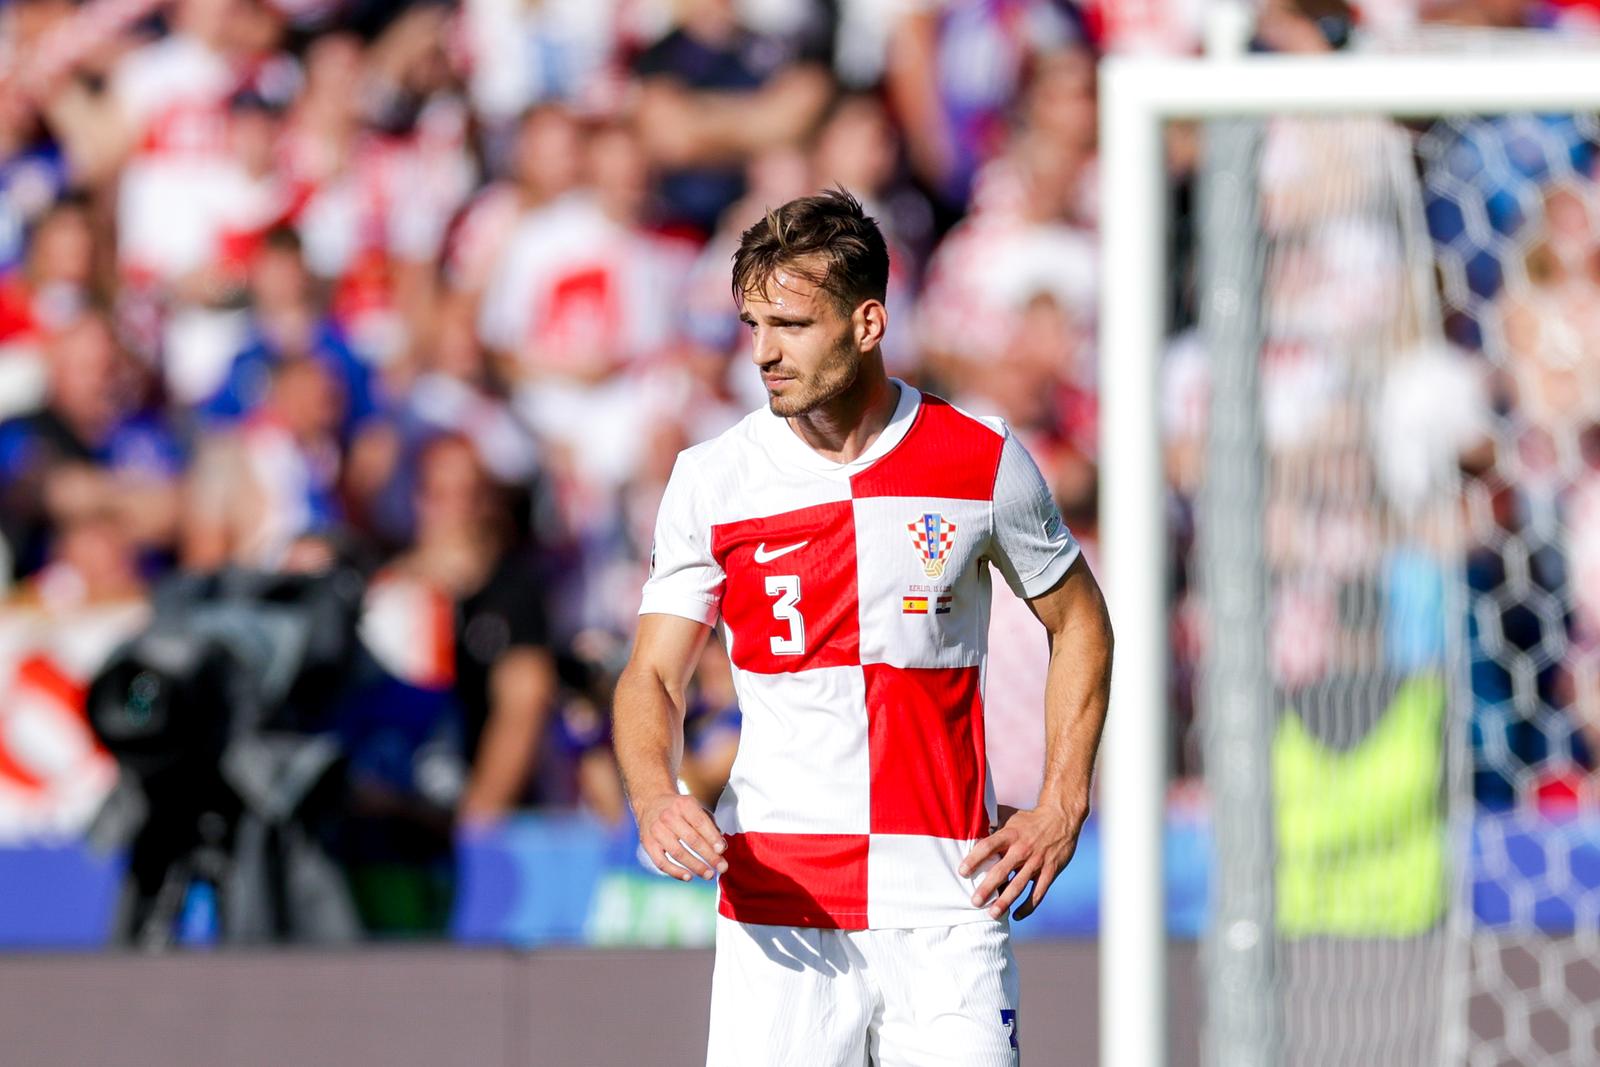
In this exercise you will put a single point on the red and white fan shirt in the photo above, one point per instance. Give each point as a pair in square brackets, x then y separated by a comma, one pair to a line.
[854, 601]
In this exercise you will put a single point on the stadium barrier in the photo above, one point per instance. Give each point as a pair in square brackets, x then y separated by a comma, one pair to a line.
[566, 880]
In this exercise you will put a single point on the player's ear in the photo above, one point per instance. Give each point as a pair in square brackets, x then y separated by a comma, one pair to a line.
[869, 321]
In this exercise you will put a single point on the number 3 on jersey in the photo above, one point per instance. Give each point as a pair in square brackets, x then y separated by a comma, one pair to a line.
[786, 587]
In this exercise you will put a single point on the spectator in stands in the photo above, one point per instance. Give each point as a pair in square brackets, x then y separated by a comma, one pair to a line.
[58, 278]
[384, 183]
[526, 54]
[954, 69]
[1496, 14]
[857, 147]
[164, 122]
[92, 445]
[545, 162]
[456, 392]
[578, 307]
[256, 489]
[33, 174]
[93, 561]
[1019, 260]
[1060, 103]
[713, 94]
[52, 287]
[183, 132]
[56, 630]
[523, 744]
[285, 323]
[322, 131]
[1550, 325]
[1306, 26]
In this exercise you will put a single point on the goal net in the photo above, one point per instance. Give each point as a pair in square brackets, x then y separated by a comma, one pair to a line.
[1324, 526]
[1380, 434]
[1514, 219]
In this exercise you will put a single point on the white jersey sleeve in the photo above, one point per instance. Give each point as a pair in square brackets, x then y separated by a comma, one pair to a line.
[1032, 546]
[685, 579]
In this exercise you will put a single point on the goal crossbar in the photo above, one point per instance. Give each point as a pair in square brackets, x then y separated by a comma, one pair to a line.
[1137, 97]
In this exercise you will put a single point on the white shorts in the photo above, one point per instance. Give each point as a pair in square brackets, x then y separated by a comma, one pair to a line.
[936, 996]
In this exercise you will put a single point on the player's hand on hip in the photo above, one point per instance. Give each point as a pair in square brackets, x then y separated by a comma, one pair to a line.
[682, 837]
[1033, 846]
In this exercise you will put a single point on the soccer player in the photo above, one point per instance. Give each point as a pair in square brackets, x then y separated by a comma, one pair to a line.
[843, 536]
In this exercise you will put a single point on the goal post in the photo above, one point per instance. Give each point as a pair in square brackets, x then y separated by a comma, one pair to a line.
[1138, 97]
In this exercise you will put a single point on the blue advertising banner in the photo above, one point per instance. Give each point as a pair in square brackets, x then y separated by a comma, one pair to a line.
[568, 879]
[60, 896]
[571, 880]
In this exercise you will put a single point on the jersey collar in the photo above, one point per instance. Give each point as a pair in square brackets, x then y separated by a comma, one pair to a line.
[790, 445]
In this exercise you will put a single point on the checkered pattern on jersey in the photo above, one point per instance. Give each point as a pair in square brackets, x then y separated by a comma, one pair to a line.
[861, 779]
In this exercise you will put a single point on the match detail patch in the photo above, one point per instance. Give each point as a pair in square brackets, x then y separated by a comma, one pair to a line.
[920, 605]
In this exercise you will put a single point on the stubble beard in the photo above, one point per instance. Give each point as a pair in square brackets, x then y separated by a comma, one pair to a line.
[828, 383]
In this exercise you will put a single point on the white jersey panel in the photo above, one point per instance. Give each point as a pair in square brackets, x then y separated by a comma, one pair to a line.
[803, 735]
[910, 618]
[912, 881]
[746, 478]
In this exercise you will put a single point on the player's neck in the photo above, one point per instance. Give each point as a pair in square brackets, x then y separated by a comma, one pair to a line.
[845, 427]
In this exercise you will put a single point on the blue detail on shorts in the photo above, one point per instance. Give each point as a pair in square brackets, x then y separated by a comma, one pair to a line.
[1008, 1019]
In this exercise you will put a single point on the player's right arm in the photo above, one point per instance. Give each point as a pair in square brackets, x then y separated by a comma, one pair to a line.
[680, 604]
[651, 697]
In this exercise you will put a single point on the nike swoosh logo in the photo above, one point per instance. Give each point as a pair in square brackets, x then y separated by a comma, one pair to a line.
[763, 556]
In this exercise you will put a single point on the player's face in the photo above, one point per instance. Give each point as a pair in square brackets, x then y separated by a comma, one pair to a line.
[805, 346]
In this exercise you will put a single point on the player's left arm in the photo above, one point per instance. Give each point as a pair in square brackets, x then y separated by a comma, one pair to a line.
[1035, 844]
[1041, 561]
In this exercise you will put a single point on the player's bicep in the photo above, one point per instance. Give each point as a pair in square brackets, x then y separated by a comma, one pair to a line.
[1031, 545]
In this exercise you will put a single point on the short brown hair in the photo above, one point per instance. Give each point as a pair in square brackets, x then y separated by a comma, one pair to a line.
[827, 239]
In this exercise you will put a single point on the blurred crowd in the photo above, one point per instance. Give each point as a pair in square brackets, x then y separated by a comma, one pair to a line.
[437, 290]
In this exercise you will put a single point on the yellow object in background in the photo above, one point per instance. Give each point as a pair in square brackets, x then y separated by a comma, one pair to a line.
[1361, 832]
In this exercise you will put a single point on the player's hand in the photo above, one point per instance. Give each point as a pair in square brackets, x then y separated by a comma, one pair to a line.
[1033, 846]
[682, 838]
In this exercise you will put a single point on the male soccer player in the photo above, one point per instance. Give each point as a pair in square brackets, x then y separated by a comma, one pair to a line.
[844, 536]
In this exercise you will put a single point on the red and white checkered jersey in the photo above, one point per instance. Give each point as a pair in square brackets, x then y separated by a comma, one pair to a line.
[854, 600]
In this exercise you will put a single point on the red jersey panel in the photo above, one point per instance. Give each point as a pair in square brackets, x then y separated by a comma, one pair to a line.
[797, 880]
[925, 735]
[947, 454]
[789, 605]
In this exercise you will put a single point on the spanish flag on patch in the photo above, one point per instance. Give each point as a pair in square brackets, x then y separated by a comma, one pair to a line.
[914, 605]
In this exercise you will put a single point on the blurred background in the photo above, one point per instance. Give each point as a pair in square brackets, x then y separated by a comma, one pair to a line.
[346, 346]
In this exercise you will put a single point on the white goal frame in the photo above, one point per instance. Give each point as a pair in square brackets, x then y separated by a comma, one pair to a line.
[1137, 97]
